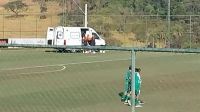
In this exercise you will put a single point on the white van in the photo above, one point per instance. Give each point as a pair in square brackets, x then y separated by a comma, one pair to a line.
[71, 36]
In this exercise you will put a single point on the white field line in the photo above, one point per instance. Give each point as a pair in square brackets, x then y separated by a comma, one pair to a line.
[59, 70]
[89, 62]
[63, 68]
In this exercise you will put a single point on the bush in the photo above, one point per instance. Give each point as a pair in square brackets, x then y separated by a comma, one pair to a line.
[113, 42]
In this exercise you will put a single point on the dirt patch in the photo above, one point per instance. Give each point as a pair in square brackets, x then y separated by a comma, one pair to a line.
[2, 2]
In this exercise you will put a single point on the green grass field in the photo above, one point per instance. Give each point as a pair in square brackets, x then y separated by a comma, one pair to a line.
[32, 80]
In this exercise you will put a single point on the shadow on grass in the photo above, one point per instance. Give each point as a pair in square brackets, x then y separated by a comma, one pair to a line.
[120, 94]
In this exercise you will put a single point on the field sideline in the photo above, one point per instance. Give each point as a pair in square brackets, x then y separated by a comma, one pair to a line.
[32, 80]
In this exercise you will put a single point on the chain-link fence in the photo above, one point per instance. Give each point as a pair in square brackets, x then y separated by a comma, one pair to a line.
[118, 30]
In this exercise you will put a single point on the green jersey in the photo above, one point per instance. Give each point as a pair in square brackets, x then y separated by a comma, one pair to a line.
[127, 80]
[137, 81]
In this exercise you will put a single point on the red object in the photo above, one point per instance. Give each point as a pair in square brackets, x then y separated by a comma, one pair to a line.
[3, 41]
[64, 42]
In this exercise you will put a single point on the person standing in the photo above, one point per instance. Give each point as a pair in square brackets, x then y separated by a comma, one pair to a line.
[138, 82]
[127, 87]
[127, 80]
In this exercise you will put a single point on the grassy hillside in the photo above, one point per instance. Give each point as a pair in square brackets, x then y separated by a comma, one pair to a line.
[2, 2]
[120, 25]
[29, 24]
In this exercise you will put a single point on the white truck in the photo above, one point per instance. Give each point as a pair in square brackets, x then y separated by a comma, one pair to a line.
[71, 36]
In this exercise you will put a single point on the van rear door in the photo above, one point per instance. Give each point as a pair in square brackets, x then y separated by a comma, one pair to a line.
[50, 35]
[59, 36]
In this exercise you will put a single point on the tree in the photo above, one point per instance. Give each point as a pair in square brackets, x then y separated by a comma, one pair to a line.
[16, 7]
[178, 8]
[149, 9]
[43, 7]
[192, 6]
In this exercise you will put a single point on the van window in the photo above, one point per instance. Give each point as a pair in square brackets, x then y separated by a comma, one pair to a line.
[95, 36]
[50, 29]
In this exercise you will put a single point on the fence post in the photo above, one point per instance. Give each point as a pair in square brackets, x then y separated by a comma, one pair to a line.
[51, 18]
[36, 28]
[169, 23]
[133, 58]
[122, 29]
[146, 31]
[20, 27]
[190, 31]
[3, 24]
